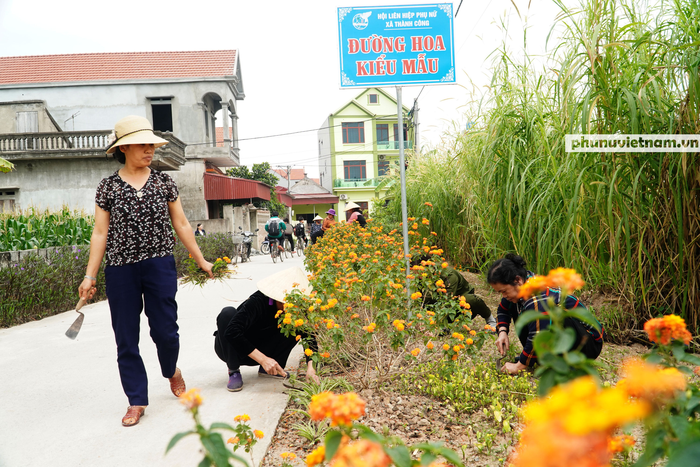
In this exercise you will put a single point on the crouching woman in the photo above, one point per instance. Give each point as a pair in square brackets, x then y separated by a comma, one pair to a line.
[506, 276]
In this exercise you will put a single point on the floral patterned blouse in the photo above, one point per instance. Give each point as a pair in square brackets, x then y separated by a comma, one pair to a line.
[139, 220]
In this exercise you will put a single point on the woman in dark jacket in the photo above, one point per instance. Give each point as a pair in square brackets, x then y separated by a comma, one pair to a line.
[506, 276]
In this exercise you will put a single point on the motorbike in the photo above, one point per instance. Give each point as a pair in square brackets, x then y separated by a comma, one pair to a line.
[246, 244]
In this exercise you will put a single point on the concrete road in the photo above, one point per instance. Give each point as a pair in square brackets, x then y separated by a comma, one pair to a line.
[62, 401]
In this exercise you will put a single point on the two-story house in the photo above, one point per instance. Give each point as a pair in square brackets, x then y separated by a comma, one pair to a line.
[359, 144]
[57, 110]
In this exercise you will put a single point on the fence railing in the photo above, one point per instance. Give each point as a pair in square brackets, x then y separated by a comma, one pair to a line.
[393, 145]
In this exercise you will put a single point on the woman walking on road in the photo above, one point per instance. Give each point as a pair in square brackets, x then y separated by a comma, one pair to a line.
[134, 210]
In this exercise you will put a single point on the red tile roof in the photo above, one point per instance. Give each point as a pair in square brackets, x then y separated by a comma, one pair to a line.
[297, 174]
[117, 66]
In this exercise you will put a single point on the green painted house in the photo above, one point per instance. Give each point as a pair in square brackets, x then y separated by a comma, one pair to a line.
[358, 145]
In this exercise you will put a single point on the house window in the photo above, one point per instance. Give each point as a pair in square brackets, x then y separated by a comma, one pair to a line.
[27, 122]
[396, 132]
[364, 206]
[373, 99]
[8, 199]
[382, 132]
[355, 170]
[353, 132]
[383, 168]
[162, 114]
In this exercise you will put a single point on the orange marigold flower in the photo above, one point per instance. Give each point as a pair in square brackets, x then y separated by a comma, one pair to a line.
[354, 316]
[469, 341]
[472, 332]
[365, 298]
[428, 204]
[444, 265]
[446, 347]
[325, 355]
[650, 382]
[416, 295]
[361, 453]
[429, 346]
[425, 221]
[664, 330]
[532, 286]
[288, 455]
[298, 337]
[456, 348]
[342, 409]
[316, 457]
[233, 440]
[415, 352]
[620, 443]
[566, 279]
[298, 323]
[191, 399]
[414, 226]
[241, 418]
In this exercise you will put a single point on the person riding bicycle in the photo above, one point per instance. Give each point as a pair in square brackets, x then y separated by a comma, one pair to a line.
[288, 231]
[300, 232]
[275, 229]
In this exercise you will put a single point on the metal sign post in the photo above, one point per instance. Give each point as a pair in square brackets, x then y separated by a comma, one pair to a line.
[404, 207]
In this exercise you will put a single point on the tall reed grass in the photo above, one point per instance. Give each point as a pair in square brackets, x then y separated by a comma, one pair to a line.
[630, 222]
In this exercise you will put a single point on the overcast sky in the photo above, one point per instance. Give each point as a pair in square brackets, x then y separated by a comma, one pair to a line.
[288, 55]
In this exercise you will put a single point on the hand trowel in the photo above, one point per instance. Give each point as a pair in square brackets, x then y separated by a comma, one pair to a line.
[74, 329]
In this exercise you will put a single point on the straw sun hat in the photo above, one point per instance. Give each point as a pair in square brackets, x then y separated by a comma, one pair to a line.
[351, 205]
[318, 218]
[280, 284]
[133, 130]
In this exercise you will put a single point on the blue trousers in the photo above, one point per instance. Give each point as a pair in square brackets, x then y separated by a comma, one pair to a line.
[153, 283]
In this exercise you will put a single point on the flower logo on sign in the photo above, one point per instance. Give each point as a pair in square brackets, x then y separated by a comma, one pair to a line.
[361, 20]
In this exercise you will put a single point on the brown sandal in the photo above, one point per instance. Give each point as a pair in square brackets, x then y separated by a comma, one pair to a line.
[133, 415]
[177, 384]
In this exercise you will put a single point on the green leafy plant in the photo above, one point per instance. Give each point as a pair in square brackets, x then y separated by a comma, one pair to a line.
[215, 451]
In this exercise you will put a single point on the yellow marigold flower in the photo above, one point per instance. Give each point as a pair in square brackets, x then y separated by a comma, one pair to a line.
[298, 323]
[414, 226]
[469, 341]
[287, 321]
[258, 434]
[311, 308]
[227, 259]
[472, 332]
[456, 348]
[415, 352]
[425, 221]
[233, 440]
[218, 259]
[663, 330]
[288, 455]
[241, 418]
[416, 295]
[318, 301]
[444, 265]
[365, 298]
[440, 283]
[429, 346]
[330, 324]
[316, 457]
[191, 399]
[308, 352]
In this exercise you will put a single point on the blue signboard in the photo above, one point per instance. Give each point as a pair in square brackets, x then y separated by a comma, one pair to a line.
[396, 45]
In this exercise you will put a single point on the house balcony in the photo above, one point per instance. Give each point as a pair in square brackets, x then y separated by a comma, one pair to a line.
[356, 183]
[225, 155]
[82, 145]
[393, 145]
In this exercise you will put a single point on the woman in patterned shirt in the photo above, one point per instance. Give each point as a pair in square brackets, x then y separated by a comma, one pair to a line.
[134, 210]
